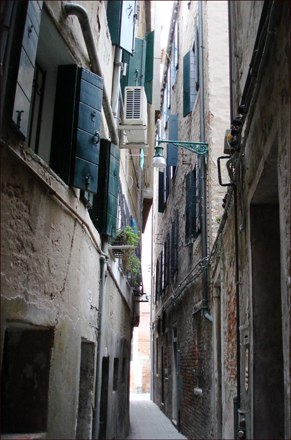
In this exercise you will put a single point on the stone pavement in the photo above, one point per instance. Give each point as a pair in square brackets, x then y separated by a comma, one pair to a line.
[147, 421]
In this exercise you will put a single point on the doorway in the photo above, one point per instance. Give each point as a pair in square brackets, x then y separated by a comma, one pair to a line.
[174, 375]
[267, 309]
[25, 379]
[104, 398]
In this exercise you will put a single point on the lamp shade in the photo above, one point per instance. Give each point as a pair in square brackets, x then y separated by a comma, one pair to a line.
[159, 162]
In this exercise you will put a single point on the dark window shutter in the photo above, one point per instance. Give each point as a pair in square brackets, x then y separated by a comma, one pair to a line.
[191, 229]
[104, 211]
[189, 83]
[161, 273]
[75, 136]
[166, 184]
[167, 260]
[157, 280]
[161, 192]
[169, 87]
[172, 151]
[174, 244]
[196, 49]
[176, 58]
[121, 23]
[25, 75]
[149, 66]
[174, 71]
[135, 74]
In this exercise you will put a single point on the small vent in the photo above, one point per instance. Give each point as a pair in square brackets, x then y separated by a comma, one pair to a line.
[133, 104]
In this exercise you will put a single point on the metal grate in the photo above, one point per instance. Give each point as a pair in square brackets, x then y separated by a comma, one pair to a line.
[133, 104]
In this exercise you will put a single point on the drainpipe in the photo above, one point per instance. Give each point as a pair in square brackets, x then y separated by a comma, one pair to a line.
[81, 13]
[202, 170]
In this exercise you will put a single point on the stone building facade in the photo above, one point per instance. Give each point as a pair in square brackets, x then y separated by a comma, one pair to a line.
[67, 305]
[251, 266]
[182, 328]
[221, 275]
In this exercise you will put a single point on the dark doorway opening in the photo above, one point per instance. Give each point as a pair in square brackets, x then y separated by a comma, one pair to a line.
[25, 379]
[267, 308]
[104, 398]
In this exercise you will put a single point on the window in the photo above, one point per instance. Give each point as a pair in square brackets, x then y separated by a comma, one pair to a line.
[115, 374]
[57, 105]
[104, 211]
[189, 82]
[191, 75]
[169, 88]
[167, 260]
[77, 118]
[121, 23]
[149, 70]
[175, 53]
[172, 151]
[135, 71]
[157, 356]
[191, 232]
[165, 108]
[162, 268]
[157, 280]
[174, 244]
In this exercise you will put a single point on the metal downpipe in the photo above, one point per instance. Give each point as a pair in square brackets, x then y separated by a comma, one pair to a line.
[202, 170]
[81, 13]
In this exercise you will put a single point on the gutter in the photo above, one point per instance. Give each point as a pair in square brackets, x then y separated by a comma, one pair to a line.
[81, 13]
[202, 171]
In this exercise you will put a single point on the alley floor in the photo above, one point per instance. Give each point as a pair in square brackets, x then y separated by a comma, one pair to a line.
[148, 422]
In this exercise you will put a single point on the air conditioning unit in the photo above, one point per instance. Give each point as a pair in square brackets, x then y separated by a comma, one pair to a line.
[135, 118]
[135, 106]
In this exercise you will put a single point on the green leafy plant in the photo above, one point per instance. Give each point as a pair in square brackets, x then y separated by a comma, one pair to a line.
[130, 262]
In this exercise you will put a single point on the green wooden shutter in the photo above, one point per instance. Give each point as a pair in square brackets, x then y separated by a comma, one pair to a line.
[166, 184]
[75, 136]
[20, 113]
[189, 83]
[104, 211]
[161, 192]
[172, 151]
[135, 74]
[149, 68]
[87, 145]
[121, 23]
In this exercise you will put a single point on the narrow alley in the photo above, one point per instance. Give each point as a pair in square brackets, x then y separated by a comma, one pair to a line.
[147, 421]
[145, 219]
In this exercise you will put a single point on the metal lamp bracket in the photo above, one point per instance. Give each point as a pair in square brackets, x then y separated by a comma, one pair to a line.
[195, 147]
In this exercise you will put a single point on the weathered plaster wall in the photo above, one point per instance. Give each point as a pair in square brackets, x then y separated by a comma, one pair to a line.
[217, 116]
[51, 257]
